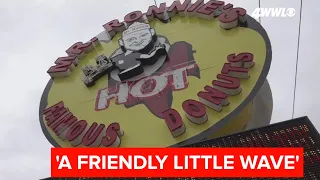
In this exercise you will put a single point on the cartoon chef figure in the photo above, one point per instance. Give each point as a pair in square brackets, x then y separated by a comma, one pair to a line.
[143, 53]
[139, 47]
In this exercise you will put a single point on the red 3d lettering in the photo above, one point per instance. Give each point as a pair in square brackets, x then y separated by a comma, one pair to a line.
[174, 122]
[112, 137]
[227, 84]
[213, 98]
[241, 60]
[237, 72]
[195, 111]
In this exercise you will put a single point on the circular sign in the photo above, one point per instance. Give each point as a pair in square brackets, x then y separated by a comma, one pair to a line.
[162, 79]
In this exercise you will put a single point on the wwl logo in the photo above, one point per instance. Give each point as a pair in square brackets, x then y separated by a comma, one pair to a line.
[273, 12]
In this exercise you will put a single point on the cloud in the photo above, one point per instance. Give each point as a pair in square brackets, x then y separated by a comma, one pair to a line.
[34, 33]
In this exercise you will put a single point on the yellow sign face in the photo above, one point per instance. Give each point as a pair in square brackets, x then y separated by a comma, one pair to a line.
[173, 82]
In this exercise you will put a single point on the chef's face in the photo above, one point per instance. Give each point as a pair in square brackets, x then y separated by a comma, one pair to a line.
[137, 40]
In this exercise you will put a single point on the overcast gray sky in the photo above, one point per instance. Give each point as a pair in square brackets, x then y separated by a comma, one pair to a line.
[35, 32]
